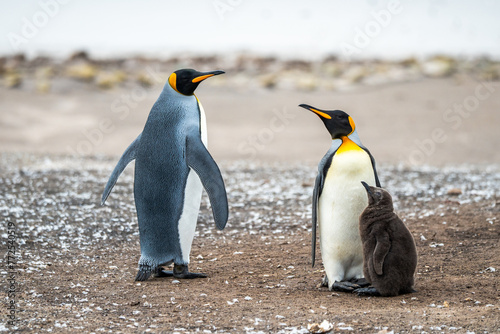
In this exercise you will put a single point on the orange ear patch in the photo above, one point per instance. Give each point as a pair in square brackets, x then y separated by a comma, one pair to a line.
[353, 126]
[172, 80]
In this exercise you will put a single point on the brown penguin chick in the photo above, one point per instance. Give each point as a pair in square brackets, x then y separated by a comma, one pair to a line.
[389, 252]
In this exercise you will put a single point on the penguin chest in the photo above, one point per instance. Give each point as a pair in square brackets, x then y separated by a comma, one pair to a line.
[342, 200]
[203, 124]
[192, 198]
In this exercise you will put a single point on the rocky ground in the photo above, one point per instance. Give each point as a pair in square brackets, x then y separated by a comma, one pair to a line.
[248, 71]
[75, 261]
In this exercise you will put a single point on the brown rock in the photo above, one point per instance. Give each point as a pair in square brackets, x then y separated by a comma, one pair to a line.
[454, 192]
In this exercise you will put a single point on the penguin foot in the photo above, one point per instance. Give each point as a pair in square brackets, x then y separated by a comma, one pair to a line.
[164, 273]
[362, 282]
[324, 282]
[350, 286]
[144, 273]
[345, 286]
[182, 271]
[369, 291]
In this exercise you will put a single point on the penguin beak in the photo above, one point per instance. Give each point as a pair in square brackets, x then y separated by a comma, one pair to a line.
[206, 75]
[316, 111]
[368, 189]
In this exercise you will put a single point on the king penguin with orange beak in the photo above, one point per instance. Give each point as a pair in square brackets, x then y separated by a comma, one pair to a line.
[172, 166]
[338, 200]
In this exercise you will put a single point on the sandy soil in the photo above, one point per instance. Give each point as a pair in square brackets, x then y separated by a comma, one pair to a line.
[432, 121]
[76, 260]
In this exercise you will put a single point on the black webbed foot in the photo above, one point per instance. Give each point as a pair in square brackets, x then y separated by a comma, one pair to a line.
[345, 286]
[164, 273]
[362, 282]
[182, 271]
[351, 285]
[369, 291]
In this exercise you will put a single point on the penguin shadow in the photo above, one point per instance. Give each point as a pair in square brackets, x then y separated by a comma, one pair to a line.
[389, 251]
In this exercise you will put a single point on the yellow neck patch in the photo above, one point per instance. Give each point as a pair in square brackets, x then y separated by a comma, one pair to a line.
[348, 146]
[172, 80]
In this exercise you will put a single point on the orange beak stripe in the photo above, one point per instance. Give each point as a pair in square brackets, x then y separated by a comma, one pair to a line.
[201, 78]
[322, 114]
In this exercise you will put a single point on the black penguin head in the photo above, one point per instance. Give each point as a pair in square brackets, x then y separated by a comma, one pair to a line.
[186, 80]
[378, 196]
[337, 122]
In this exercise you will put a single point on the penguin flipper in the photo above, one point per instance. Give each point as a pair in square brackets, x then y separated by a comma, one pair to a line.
[377, 182]
[125, 159]
[200, 160]
[318, 185]
[380, 252]
[372, 159]
[323, 166]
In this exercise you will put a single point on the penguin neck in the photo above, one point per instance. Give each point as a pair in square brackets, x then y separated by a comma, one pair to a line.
[169, 91]
[355, 138]
[374, 214]
[347, 145]
[203, 123]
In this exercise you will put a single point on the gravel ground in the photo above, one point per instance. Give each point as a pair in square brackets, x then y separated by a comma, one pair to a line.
[75, 261]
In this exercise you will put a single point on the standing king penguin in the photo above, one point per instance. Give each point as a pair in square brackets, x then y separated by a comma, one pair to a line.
[339, 198]
[172, 165]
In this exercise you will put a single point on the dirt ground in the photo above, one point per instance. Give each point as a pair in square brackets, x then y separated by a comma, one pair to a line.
[70, 263]
[75, 260]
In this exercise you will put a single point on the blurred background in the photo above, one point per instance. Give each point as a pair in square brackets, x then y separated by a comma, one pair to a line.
[420, 79]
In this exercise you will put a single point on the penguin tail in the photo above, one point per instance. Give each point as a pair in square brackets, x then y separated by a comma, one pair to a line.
[144, 273]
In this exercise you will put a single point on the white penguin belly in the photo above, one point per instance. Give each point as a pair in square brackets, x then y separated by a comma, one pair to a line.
[189, 216]
[342, 200]
[192, 199]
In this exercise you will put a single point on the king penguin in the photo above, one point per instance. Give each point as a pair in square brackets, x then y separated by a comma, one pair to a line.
[339, 198]
[172, 165]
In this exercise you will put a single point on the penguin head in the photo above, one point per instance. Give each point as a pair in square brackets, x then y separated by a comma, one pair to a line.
[186, 80]
[378, 196]
[337, 122]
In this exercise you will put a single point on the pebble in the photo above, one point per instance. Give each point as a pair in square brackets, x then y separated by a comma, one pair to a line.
[454, 192]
